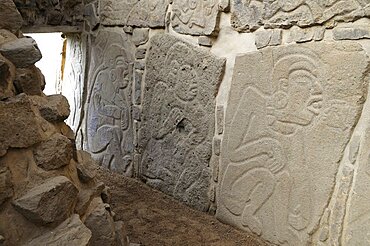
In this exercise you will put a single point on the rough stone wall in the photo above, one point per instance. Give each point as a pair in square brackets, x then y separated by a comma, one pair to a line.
[253, 110]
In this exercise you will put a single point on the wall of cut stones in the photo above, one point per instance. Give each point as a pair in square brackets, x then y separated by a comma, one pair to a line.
[255, 111]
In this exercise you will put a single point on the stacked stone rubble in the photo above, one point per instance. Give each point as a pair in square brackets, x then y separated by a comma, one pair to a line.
[48, 191]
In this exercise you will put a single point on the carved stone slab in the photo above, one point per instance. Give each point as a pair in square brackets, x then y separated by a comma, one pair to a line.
[288, 121]
[178, 123]
[250, 15]
[195, 17]
[140, 13]
[109, 131]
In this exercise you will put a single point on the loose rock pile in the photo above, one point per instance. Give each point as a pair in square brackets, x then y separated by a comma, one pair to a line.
[48, 191]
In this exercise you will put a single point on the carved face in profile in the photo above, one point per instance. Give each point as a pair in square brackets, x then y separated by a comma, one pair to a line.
[298, 97]
[118, 70]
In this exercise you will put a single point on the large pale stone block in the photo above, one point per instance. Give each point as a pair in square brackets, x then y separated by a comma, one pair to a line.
[195, 17]
[250, 15]
[288, 121]
[175, 137]
[109, 130]
[144, 13]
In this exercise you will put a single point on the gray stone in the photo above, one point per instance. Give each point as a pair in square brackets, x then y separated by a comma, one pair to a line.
[22, 127]
[72, 232]
[10, 18]
[301, 35]
[51, 202]
[6, 36]
[144, 13]
[29, 81]
[175, 136]
[220, 115]
[6, 186]
[205, 41]
[7, 75]
[140, 36]
[140, 65]
[140, 53]
[54, 153]
[128, 29]
[266, 38]
[194, 17]
[136, 112]
[138, 80]
[101, 224]
[22, 52]
[215, 167]
[109, 129]
[86, 166]
[224, 5]
[217, 146]
[351, 32]
[55, 108]
[285, 134]
[91, 15]
[283, 14]
[86, 196]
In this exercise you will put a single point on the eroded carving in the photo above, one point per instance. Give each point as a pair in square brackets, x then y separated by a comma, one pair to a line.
[195, 17]
[252, 14]
[109, 124]
[285, 135]
[178, 119]
[139, 13]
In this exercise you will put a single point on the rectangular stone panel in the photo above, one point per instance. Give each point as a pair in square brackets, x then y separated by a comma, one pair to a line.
[195, 17]
[139, 13]
[250, 15]
[178, 119]
[288, 121]
[108, 134]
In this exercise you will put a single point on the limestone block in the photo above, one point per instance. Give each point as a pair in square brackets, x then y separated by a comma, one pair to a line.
[205, 41]
[138, 80]
[21, 126]
[86, 196]
[72, 232]
[22, 52]
[7, 75]
[288, 121]
[52, 201]
[195, 17]
[55, 108]
[175, 136]
[266, 38]
[54, 153]
[86, 166]
[281, 13]
[10, 18]
[351, 32]
[109, 129]
[101, 224]
[144, 13]
[301, 35]
[6, 186]
[140, 36]
[140, 53]
[29, 80]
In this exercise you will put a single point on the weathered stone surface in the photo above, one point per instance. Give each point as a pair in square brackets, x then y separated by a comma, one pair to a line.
[86, 196]
[351, 32]
[54, 153]
[138, 80]
[144, 13]
[7, 75]
[29, 80]
[6, 187]
[121, 234]
[10, 18]
[140, 53]
[178, 119]
[51, 202]
[286, 131]
[266, 38]
[194, 17]
[91, 15]
[22, 52]
[205, 41]
[72, 232]
[86, 166]
[6, 36]
[301, 35]
[220, 115]
[101, 224]
[253, 14]
[109, 130]
[140, 36]
[55, 109]
[22, 127]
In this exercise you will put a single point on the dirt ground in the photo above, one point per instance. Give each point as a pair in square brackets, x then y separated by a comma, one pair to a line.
[154, 219]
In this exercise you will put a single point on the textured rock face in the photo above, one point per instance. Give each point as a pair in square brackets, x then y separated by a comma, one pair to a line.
[55, 108]
[145, 13]
[109, 131]
[195, 17]
[29, 80]
[287, 124]
[250, 15]
[6, 187]
[178, 119]
[7, 73]
[10, 18]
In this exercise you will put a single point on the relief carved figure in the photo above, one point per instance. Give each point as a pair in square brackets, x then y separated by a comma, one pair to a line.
[195, 17]
[178, 123]
[109, 127]
[271, 160]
